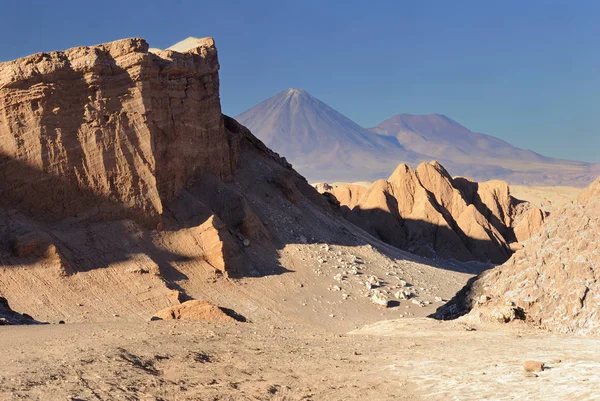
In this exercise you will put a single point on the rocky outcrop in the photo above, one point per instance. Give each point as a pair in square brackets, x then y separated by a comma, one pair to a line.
[124, 190]
[109, 131]
[194, 310]
[10, 317]
[427, 212]
[553, 283]
[530, 223]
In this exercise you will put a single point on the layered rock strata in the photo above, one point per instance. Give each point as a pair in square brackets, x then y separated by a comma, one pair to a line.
[109, 131]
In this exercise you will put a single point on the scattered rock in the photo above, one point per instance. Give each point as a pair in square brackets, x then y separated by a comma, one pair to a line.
[403, 294]
[505, 314]
[379, 299]
[483, 299]
[533, 366]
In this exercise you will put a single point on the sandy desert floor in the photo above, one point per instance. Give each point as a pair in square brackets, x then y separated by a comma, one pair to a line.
[546, 198]
[409, 359]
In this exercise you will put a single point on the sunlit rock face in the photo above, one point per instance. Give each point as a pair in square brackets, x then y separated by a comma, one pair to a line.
[109, 131]
[553, 282]
[427, 212]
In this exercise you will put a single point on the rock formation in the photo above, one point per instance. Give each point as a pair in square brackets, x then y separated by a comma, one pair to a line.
[10, 317]
[109, 131]
[426, 211]
[194, 310]
[552, 283]
[124, 190]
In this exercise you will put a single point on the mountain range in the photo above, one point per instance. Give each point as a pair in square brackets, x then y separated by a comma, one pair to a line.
[325, 145]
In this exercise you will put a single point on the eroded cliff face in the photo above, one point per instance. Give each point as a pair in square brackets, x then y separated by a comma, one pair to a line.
[428, 212]
[109, 131]
[124, 190]
[552, 283]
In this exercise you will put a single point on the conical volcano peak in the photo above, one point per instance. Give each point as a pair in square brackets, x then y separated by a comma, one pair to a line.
[318, 140]
[296, 92]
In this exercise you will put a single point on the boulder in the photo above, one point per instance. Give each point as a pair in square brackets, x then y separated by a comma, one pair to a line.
[193, 310]
[10, 317]
[533, 366]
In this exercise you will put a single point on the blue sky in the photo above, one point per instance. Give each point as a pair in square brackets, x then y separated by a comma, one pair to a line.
[525, 71]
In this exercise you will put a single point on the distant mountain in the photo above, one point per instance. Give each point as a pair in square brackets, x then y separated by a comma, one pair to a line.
[320, 142]
[325, 145]
[441, 137]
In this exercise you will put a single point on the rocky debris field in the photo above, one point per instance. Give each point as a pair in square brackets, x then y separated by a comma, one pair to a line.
[353, 277]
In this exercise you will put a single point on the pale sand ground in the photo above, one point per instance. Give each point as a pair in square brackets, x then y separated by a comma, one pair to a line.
[411, 359]
[546, 198]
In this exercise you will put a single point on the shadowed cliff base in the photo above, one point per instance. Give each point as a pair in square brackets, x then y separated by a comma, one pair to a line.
[10, 317]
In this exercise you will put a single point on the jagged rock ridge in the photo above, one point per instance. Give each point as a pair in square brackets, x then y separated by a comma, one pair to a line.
[427, 212]
[552, 283]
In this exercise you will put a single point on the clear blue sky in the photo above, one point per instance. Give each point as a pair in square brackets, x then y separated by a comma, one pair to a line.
[525, 71]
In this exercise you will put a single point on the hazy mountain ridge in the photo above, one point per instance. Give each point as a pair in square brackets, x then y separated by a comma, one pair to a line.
[318, 139]
[420, 132]
[325, 145]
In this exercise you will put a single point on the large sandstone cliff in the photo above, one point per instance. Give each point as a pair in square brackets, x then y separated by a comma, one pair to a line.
[124, 190]
[553, 283]
[427, 212]
[109, 131]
